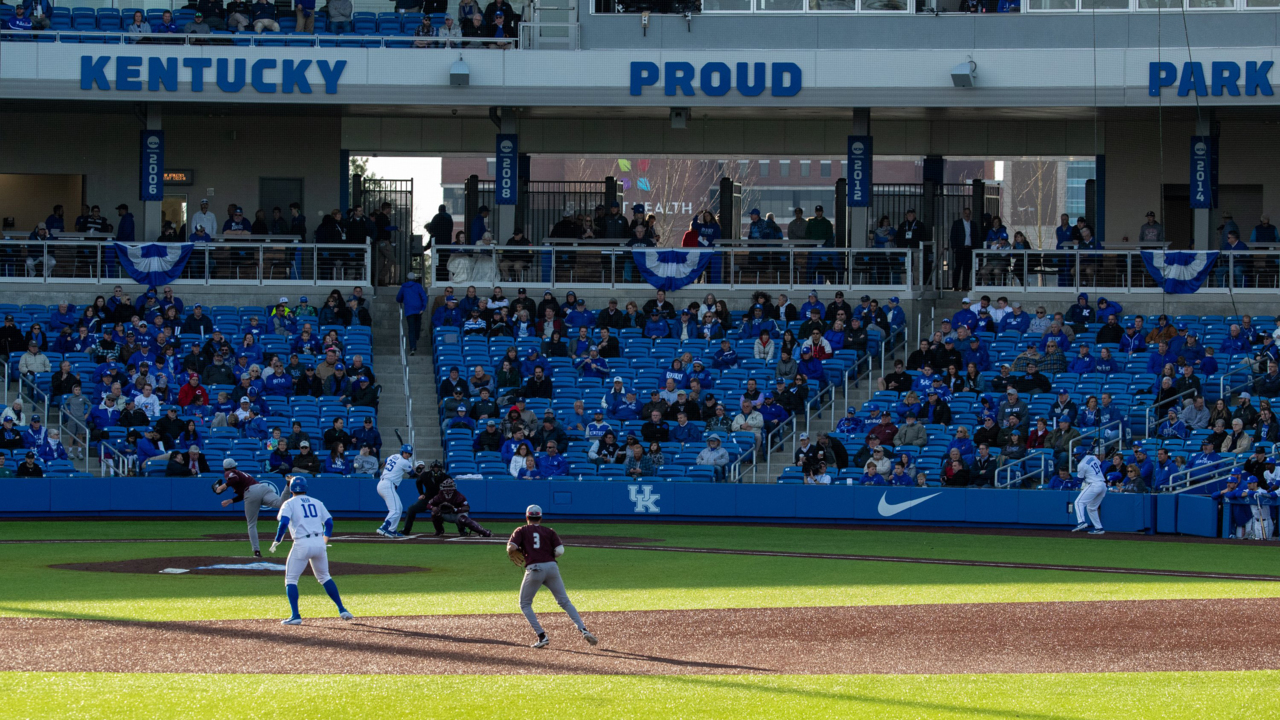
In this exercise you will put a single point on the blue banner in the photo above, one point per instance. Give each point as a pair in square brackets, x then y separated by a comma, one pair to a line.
[859, 171]
[153, 263]
[507, 173]
[1201, 172]
[1179, 273]
[671, 269]
[152, 170]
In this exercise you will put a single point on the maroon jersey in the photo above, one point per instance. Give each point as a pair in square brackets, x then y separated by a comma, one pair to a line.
[237, 481]
[538, 543]
[458, 501]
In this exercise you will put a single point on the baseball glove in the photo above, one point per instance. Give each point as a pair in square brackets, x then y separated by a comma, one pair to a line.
[517, 557]
[447, 508]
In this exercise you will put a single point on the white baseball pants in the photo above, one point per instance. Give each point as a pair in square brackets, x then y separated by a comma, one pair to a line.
[394, 507]
[309, 550]
[1090, 499]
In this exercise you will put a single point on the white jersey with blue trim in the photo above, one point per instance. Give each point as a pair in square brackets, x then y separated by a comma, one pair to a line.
[396, 469]
[1089, 470]
[306, 515]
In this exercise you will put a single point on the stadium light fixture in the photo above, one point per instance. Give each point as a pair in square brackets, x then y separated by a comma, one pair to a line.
[459, 73]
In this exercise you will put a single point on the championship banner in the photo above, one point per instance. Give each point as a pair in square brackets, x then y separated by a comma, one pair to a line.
[153, 263]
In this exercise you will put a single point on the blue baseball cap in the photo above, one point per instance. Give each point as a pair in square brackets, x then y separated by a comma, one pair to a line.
[851, 410]
[1182, 326]
[1114, 477]
[894, 299]
[638, 207]
[754, 211]
[1130, 326]
[1066, 419]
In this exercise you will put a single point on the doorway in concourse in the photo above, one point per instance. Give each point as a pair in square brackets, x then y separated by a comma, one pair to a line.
[174, 209]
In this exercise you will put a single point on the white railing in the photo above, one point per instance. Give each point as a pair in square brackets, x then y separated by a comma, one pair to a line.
[1114, 271]
[1006, 477]
[249, 38]
[1191, 478]
[273, 260]
[550, 36]
[592, 264]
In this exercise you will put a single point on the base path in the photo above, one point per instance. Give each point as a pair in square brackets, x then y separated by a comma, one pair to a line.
[980, 638]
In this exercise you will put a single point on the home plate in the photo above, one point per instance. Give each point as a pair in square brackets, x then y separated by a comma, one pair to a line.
[174, 571]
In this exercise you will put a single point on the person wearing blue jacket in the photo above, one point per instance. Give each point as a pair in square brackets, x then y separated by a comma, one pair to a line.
[35, 435]
[478, 225]
[1132, 342]
[678, 373]
[976, 354]
[1083, 362]
[580, 316]
[1080, 314]
[725, 358]
[1015, 319]
[628, 409]
[1107, 308]
[278, 384]
[552, 462]
[1064, 480]
[704, 376]
[964, 316]
[757, 324]
[447, 315]
[655, 327]
[1172, 427]
[368, 435]
[1161, 357]
[811, 367]
[1235, 342]
[708, 231]
[64, 316]
[812, 304]
[686, 432]
[413, 301]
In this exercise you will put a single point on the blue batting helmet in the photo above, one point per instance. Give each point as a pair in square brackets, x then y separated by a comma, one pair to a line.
[406, 448]
[297, 484]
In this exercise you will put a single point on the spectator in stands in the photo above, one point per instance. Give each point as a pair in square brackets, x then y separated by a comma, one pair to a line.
[1238, 440]
[198, 26]
[305, 460]
[750, 420]
[264, 18]
[1059, 440]
[306, 20]
[33, 361]
[1172, 427]
[339, 12]
[638, 464]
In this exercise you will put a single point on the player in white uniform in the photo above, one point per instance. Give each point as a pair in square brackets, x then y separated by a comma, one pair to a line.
[311, 526]
[396, 469]
[1092, 490]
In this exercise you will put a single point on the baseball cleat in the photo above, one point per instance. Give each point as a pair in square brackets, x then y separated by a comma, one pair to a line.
[396, 535]
[345, 615]
[543, 641]
[1081, 526]
[295, 620]
[439, 534]
[257, 553]
[383, 532]
[1097, 531]
[488, 533]
[591, 639]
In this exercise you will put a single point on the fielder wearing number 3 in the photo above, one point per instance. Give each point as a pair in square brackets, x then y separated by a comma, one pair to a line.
[310, 524]
[1092, 491]
[535, 548]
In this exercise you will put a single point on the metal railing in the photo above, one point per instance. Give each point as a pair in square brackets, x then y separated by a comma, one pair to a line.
[270, 261]
[607, 266]
[550, 36]
[1191, 478]
[1006, 478]
[78, 430]
[1114, 271]
[248, 38]
[1100, 432]
[1225, 391]
[408, 396]
[1150, 423]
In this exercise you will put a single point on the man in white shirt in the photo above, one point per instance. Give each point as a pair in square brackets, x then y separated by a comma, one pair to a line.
[205, 218]
[148, 402]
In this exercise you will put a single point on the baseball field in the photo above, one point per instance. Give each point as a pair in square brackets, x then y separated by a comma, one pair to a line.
[162, 619]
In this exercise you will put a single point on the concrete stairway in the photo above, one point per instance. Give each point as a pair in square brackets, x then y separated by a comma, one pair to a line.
[392, 409]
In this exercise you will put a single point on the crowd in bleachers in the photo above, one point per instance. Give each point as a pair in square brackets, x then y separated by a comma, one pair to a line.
[997, 393]
[160, 387]
[641, 390]
[337, 24]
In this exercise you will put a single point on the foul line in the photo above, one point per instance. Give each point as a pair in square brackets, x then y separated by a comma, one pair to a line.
[749, 553]
[940, 561]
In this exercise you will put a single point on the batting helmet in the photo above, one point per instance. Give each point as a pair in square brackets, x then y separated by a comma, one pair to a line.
[406, 448]
[297, 484]
[533, 511]
[228, 463]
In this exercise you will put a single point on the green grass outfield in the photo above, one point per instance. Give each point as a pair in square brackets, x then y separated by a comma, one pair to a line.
[1111, 696]
[476, 578]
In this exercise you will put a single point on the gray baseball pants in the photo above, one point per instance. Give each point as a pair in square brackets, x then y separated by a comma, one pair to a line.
[537, 575]
[254, 498]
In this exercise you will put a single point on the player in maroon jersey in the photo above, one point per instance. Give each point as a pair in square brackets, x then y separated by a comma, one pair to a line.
[535, 548]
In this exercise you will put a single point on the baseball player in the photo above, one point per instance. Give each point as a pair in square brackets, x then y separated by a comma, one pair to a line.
[452, 506]
[310, 525]
[396, 469]
[1259, 527]
[253, 493]
[428, 484]
[535, 548]
[1094, 489]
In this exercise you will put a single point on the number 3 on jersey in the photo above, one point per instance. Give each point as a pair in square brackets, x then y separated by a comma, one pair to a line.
[537, 541]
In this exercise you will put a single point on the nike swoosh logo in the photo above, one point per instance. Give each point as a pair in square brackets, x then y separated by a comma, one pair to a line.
[889, 510]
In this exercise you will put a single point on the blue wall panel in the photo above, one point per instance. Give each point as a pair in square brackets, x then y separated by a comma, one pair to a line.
[822, 502]
[937, 505]
[339, 495]
[26, 495]
[867, 501]
[766, 501]
[142, 494]
[991, 506]
[1197, 515]
[1166, 519]
[477, 492]
[581, 498]
[511, 497]
[77, 495]
[1046, 507]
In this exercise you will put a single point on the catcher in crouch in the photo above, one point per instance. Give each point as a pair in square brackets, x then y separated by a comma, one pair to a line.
[449, 505]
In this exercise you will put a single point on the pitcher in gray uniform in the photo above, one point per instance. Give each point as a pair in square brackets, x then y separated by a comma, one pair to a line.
[535, 548]
[253, 493]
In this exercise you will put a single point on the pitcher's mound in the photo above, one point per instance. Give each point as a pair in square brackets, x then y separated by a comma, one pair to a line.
[251, 566]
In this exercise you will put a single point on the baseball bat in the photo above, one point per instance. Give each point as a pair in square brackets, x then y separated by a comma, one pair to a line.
[400, 439]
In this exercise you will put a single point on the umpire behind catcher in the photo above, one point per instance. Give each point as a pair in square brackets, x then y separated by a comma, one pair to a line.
[449, 505]
[428, 484]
